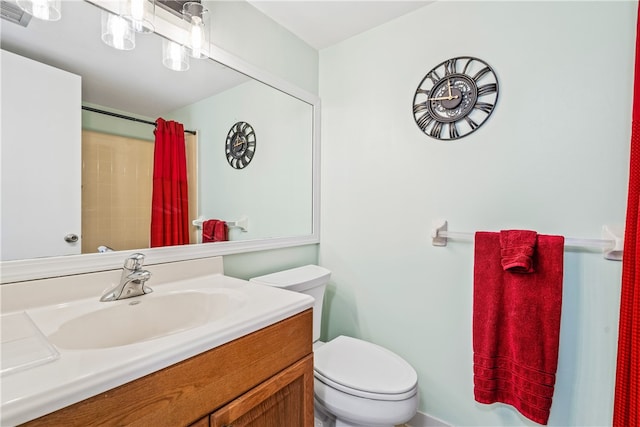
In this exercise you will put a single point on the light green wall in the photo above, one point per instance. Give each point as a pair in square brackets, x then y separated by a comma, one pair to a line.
[241, 29]
[112, 125]
[246, 266]
[553, 157]
[275, 190]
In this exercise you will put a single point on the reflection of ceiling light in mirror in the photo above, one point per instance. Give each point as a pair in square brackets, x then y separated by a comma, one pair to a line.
[141, 14]
[196, 37]
[131, 16]
[197, 17]
[47, 10]
[117, 32]
[174, 56]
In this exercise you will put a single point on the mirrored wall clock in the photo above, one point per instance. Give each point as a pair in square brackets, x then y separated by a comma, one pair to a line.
[455, 98]
[240, 146]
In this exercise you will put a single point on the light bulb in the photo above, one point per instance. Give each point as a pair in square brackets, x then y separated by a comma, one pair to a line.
[117, 32]
[41, 9]
[47, 10]
[174, 56]
[119, 29]
[197, 18]
[197, 36]
[137, 9]
[141, 14]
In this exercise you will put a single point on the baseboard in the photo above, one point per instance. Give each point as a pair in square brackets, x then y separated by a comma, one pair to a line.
[424, 420]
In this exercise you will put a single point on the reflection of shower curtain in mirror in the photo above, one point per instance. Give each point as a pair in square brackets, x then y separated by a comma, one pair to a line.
[170, 199]
[117, 175]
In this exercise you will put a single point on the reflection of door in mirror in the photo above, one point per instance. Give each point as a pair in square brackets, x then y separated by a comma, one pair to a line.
[117, 182]
[40, 156]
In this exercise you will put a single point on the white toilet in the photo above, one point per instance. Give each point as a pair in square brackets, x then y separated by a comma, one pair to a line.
[357, 383]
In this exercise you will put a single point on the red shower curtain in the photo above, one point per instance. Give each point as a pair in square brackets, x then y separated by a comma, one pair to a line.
[627, 398]
[169, 204]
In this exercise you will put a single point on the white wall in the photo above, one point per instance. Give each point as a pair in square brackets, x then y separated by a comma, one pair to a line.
[553, 157]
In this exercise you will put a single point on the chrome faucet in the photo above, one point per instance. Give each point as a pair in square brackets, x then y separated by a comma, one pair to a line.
[132, 280]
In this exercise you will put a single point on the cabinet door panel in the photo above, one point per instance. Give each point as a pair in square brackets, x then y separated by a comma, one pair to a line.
[202, 422]
[284, 400]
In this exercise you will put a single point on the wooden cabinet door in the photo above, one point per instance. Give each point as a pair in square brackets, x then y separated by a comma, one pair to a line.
[202, 422]
[284, 400]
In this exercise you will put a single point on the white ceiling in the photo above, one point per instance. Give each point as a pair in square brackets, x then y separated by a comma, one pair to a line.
[322, 23]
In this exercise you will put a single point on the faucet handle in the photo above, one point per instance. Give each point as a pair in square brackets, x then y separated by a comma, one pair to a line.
[134, 262]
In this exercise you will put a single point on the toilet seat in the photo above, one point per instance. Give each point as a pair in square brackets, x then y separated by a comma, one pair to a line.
[364, 369]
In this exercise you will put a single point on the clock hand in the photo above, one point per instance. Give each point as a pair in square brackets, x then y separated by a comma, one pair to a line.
[449, 87]
[443, 98]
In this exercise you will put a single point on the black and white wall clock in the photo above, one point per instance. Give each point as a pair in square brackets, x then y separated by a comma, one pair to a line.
[240, 146]
[455, 98]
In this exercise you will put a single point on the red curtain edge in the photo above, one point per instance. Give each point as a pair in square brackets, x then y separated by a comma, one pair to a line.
[625, 405]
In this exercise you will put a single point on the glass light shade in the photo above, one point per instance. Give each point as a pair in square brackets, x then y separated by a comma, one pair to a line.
[117, 32]
[47, 10]
[198, 19]
[141, 14]
[174, 56]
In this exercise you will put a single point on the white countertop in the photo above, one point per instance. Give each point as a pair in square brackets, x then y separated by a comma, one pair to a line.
[79, 374]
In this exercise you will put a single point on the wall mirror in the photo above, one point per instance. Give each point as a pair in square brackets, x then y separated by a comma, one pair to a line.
[277, 194]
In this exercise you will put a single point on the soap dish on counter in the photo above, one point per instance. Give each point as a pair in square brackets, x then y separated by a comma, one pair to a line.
[23, 345]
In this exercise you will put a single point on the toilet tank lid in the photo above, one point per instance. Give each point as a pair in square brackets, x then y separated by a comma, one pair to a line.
[296, 279]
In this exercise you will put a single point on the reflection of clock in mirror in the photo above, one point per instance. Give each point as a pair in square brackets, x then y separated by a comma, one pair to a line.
[241, 145]
[455, 98]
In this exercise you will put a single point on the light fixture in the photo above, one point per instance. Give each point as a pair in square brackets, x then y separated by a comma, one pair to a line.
[127, 17]
[174, 56]
[141, 14]
[117, 32]
[47, 10]
[198, 18]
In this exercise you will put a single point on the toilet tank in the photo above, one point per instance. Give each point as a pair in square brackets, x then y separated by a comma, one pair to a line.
[309, 279]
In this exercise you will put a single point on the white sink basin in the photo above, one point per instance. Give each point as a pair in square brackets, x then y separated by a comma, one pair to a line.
[143, 318]
[102, 345]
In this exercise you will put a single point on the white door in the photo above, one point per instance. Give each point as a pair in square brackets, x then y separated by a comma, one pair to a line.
[40, 160]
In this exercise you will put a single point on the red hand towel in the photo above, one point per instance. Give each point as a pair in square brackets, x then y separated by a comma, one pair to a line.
[516, 326]
[214, 230]
[516, 250]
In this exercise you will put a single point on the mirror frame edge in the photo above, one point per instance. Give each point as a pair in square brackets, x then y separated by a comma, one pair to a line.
[40, 268]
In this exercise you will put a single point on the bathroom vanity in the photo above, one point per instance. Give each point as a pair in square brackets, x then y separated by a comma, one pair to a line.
[243, 353]
[267, 374]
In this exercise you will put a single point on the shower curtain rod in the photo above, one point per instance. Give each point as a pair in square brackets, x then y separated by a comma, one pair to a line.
[122, 116]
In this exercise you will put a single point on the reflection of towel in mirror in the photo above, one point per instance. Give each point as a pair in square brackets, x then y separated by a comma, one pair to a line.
[214, 230]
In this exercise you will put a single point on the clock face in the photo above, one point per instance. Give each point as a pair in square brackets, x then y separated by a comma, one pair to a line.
[240, 145]
[455, 98]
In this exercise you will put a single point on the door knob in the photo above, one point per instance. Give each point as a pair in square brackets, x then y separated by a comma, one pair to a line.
[71, 238]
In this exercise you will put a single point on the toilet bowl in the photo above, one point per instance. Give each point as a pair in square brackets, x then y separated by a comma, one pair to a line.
[356, 383]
